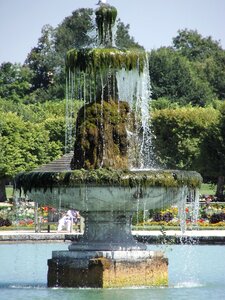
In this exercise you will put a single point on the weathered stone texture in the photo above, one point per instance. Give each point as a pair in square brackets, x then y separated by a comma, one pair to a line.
[103, 272]
[101, 136]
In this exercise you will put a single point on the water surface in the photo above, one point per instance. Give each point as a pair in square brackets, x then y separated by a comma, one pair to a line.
[195, 272]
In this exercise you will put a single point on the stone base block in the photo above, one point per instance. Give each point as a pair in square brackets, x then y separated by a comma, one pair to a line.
[108, 269]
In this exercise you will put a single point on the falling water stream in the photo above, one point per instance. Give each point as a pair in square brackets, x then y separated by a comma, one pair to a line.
[133, 87]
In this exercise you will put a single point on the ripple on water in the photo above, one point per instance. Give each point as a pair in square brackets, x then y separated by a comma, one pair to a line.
[188, 284]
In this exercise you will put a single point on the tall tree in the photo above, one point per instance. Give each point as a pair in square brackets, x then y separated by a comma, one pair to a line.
[75, 31]
[194, 46]
[42, 60]
[47, 59]
[207, 56]
[123, 38]
[15, 81]
[174, 77]
[214, 72]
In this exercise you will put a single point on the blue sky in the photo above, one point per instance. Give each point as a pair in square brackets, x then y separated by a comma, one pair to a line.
[153, 23]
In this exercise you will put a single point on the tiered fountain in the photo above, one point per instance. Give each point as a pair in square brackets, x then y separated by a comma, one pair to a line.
[107, 179]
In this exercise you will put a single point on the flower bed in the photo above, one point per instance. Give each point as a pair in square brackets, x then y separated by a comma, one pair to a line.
[210, 216]
[22, 215]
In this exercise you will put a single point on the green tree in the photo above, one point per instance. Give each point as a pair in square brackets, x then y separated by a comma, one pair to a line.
[47, 59]
[214, 72]
[45, 63]
[56, 128]
[24, 146]
[74, 31]
[14, 81]
[207, 57]
[175, 78]
[2, 172]
[194, 46]
[123, 38]
[79, 31]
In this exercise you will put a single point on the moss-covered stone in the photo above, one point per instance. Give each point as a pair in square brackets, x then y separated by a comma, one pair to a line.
[102, 272]
[98, 59]
[101, 136]
[105, 20]
[103, 176]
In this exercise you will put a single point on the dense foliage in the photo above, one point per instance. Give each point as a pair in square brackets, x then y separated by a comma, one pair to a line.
[192, 71]
[173, 76]
[30, 135]
[192, 138]
[179, 134]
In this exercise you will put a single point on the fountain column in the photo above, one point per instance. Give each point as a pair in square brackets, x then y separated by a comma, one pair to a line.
[107, 231]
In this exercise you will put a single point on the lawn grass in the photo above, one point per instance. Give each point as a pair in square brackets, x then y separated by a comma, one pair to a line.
[208, 189]
[9, 192]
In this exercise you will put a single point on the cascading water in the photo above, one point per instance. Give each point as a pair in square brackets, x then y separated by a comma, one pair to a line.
[134, 87]
[188, 209]
[119, 76]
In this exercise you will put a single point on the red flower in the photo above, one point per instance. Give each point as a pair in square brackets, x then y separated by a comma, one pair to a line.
[21, 222]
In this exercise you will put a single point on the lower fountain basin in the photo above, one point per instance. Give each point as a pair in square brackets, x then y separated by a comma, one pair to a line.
[108, 190]
[107, 255]
[107, 211]
[107, 199]
[87, 197]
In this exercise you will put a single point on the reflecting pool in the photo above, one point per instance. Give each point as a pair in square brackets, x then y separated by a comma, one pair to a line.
[195, 272]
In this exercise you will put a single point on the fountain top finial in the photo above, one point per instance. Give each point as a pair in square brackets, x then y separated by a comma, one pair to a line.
[101, 2]
[105, 20]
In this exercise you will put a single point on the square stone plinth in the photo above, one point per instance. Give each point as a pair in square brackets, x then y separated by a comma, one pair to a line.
[107, 270]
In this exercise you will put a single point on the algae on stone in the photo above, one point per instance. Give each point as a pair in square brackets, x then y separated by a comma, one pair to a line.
[98, 59]
[101, 136]
[105, 20]
[28, 181]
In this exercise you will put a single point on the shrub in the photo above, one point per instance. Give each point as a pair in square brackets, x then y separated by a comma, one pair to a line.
[167, 216]
[4, 222]
[157, 217]
[216, 218]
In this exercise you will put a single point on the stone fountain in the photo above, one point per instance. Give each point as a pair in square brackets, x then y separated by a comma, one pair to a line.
[105, 177]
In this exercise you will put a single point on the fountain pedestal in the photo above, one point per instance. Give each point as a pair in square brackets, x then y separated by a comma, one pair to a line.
[107, 231]
[107, 269]
[107, 256]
